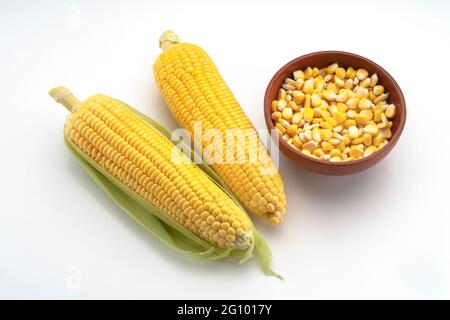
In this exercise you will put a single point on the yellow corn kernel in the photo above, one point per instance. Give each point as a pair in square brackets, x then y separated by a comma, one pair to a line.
[309, 114]
[385, 142]
[361, 119]
[274, 105]
[322, 72]
[316, 100]
[332, 68]
[287, 113]
[292, 129]
[378, 90]
[390, 111]
[316, 135]
[371, 96]
[299, 84]
[281, 94]
[319, 84]
[365, 83]
[335, 152]
[362, 74]
[381, 98]
[316, 120]
[310, 146]
[308, 72]
[341, 97]
[346, 139]
[297, 142]
[332, 109]
[364, 104]
[373, 80]
[297, 117]
[281, 105]
[361, 92]
[377, 115]
[351, 114]
[338, 129]
[348, 84]
[381, 106]
[327, 77]
[325, 114]
[340, 72]
[326, 146]
[308, 86]
[324, 105]
[357, 140]
[342, 107]
[335, 159]
[369, 151]
[367, 113]
[326, 134]
[318, 153]
[276, 115]
[298, 75]
[378, 139]
[352, 103]
[356, 151]
[338, 82]
[280, 128]
[367, 139]
[386, 132]
[289, 84]
[329, 95]
[295, 107]
[298, 96]
[307, 100]
[390, 124]
[326, 125]
[306, 151]
[351, 73]
[353, 132]
[341, 146]
[349, 123]
[333, 87]
[284, 123]
[340, 117]
[334, 141]
[371, 129]
[331, 121]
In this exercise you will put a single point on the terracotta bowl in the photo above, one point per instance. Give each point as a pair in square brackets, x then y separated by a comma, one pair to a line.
[344, 59]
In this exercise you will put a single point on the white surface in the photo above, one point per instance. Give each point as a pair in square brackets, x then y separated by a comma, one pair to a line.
[384, 233]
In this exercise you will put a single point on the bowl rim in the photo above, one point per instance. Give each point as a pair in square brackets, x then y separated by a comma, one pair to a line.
[392, 141]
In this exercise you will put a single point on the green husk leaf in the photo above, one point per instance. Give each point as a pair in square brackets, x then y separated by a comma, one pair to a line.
[162, 226]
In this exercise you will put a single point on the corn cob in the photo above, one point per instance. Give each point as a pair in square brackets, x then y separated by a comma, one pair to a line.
[194, 91]
[139, 157]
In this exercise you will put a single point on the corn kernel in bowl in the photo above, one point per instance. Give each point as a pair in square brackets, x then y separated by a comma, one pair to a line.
[333, 113]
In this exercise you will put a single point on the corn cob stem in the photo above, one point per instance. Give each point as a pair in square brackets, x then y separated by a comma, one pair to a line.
[65, 97]
[168, 39]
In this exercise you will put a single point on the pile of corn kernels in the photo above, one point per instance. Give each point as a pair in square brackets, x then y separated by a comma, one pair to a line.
[333, 113]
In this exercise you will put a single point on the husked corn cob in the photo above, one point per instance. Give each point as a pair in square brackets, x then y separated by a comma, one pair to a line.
[194, 91]
[139, 157]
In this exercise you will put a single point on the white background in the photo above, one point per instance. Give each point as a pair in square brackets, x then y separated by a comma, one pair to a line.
[384, 233]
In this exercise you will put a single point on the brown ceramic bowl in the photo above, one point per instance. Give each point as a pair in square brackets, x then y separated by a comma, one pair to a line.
[344, 59]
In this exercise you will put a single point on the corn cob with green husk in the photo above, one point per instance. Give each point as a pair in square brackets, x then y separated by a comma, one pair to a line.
[184, 205]
[195, 92]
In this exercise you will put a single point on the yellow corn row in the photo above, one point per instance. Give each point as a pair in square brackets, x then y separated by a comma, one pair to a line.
[194, 91]
[138, 156]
